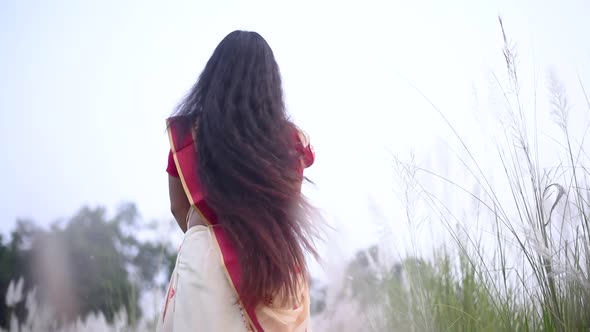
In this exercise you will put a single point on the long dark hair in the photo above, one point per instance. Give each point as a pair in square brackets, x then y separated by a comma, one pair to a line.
[248, 165]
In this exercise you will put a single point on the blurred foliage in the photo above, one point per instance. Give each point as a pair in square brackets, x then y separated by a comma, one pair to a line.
[91, 263]
[318, 295]
[365, 276]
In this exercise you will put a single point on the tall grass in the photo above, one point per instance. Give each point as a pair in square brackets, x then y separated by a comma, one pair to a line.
[533, 275]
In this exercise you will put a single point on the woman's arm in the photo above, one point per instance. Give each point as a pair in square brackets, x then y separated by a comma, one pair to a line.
[179, 204]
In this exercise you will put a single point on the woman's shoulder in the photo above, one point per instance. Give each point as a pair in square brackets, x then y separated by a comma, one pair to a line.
[178, 121]
[180, 131]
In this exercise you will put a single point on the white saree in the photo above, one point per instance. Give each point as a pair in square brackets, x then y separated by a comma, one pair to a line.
[200, 297]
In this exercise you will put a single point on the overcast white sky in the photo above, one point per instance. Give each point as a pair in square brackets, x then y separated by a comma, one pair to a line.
[85, 88]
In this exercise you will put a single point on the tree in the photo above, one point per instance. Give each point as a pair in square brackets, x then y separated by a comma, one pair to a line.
[89, 264]
[13, 263]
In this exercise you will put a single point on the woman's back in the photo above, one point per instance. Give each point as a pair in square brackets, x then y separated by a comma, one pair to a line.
[238, 159]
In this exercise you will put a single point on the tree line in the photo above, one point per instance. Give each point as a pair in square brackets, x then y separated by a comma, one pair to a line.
[89, 263]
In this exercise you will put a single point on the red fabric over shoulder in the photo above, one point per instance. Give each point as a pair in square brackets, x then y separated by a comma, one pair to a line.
[171, 169]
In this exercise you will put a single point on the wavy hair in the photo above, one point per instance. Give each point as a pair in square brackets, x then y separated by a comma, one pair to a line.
[249, 167]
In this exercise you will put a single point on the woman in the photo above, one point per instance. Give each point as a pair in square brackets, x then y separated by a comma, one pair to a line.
[235, 171]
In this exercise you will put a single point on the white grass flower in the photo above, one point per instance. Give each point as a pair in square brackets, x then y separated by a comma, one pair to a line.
[10, 295]
[18, 290]
[14, 294]
[14, 326]
[31, 305]
[536, 240]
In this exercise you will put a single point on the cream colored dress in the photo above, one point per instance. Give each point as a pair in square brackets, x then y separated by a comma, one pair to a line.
[200, 298]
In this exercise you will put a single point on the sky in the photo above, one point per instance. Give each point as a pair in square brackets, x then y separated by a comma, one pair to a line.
[85, 88]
